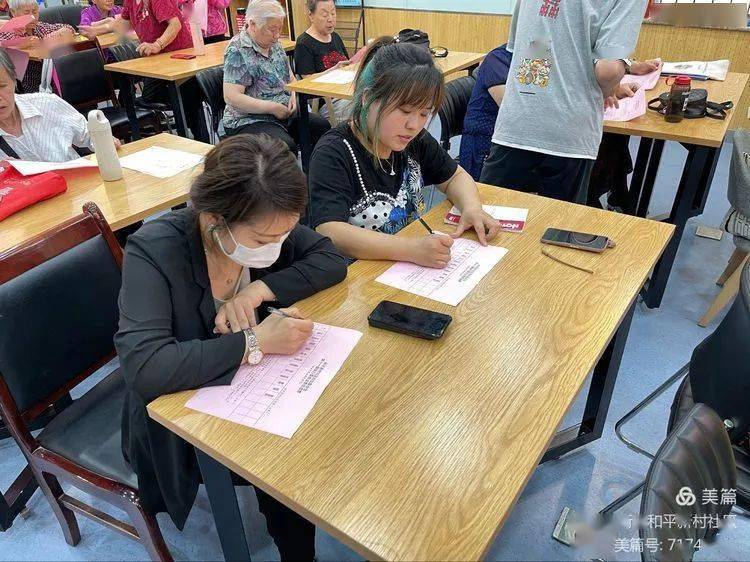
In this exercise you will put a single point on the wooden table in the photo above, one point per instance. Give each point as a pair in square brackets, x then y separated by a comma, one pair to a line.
[175, 71]
[455, 62]
[703, 139]
[418, 450]
[122, 202]
[41, 52]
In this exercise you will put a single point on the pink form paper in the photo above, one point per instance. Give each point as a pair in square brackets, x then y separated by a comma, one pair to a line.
[646, 81]
[277, 395]
[629, 109]
[469, 263]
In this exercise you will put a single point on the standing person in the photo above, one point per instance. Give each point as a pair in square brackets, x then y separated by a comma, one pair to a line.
[568, 57]
[161, 28]
[216, 21]
[320, 48]
[33, 35]
[481, 113]
[192, 312]
[256, 72]
[367, 175]
[614, 163]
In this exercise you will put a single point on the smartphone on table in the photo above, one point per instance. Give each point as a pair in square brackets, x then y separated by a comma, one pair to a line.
[577, 240]
[409, 320]
[182, 56]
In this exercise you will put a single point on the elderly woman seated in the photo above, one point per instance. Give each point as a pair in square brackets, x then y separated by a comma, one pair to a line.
[33, 34]
[38, 126]
[256, 72]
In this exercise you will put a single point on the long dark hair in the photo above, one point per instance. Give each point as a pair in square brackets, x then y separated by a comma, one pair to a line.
[394, 74]
[246, 177]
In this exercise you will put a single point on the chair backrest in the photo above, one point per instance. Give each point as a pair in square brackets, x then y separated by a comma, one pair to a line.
[124, 50]
[68, 13]
[720, 365]
[82, 79]
[71, 14]
[453, 109]
[50, 15]
[58, 312]
[738, 192]
[696, 455]
[211, 84]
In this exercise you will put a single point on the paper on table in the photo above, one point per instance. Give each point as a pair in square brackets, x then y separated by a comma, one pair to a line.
[630, 108]
[470, 262]
[336, 76]
[511, 219]
[715, 70]
[277, 395]
[160, 162]
[645, 81]
[29, 167]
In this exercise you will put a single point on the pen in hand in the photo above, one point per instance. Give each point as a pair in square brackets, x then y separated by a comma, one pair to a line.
[278, 312]
[427, 226]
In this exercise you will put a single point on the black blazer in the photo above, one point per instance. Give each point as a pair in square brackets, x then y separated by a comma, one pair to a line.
[166, 342]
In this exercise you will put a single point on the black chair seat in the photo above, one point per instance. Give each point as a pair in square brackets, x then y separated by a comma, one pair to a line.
[88, 431]
[118, 116]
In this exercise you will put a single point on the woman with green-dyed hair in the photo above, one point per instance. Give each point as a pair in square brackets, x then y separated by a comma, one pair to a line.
[367, 175]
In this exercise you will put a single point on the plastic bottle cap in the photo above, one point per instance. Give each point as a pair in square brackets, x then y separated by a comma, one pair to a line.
[682, 80]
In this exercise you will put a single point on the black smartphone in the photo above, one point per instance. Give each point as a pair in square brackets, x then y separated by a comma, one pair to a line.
[578, 240]
[409, 320]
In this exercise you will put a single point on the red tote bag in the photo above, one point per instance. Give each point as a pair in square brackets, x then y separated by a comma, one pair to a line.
[18, 192]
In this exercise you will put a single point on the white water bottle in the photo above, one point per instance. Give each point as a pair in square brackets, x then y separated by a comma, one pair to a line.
[199, 47]
[104, 146]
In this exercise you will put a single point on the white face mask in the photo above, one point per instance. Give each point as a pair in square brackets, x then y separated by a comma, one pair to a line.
[253, 258]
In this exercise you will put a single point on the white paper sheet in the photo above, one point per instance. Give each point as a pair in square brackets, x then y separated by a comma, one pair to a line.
[470, 262]
[336, 76]
[161, 162]
[30, 167]
[278, 394]
[629, 109]
[715, 70]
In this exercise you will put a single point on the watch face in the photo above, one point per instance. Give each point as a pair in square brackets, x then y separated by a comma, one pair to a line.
[255, 357]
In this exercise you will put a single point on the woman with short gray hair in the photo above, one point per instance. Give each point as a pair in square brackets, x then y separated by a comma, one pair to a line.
[256, 73]
[32, 35]
[39, 127]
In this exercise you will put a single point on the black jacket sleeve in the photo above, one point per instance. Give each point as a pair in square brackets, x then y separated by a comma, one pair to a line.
[309, 263]
[152, 360]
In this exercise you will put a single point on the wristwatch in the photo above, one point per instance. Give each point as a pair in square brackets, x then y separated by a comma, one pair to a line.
[628, 65]
[254, 354]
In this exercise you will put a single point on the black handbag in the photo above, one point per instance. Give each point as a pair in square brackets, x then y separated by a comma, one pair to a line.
[697, 105]
[421, 39]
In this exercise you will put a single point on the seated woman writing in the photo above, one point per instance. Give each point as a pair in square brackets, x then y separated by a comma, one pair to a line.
[194, 283]
[366, 176]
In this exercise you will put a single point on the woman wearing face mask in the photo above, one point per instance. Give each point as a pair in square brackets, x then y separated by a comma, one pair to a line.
[195, 283]
[366, 176]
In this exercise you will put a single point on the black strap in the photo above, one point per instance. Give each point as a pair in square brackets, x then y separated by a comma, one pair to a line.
[5, 147]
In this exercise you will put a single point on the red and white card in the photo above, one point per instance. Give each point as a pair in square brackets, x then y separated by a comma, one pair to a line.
[512, 219]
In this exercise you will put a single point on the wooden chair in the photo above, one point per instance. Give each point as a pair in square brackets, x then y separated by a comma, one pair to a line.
[729, 281]
[58, 315]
